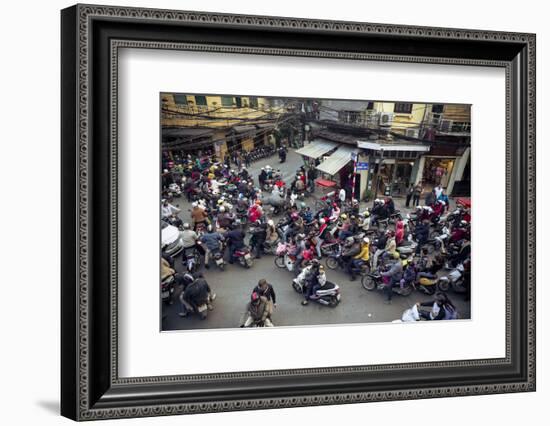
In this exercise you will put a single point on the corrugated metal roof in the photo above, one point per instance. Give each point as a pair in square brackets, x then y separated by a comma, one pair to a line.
[392, 146]
[244, 128]
[316, 148]
[337, 160]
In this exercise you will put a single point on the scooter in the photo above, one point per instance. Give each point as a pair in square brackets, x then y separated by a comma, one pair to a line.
[454, 280]
[327, 295]
[284, 258]
[217, 255]
[167, 289]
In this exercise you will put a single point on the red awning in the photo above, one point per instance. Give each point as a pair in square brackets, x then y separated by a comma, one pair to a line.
[325, 183]
[465, 202]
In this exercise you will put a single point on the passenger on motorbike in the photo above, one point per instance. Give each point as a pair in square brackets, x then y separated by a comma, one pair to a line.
[360, 258]
[441, 308]
[211, 241]
[258, 311]
[189, 238]
[351, 248]
[317, 279]
[235, 241]
[258, 231]
[198, 215]
[196, 293]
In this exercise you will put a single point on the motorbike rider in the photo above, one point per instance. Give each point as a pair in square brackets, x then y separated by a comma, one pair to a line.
[224, 219]
[399, 232]
[360, 258]
[198, 215]
[258, 231]
[189, 239]
[461, 256]
[168, 210]
[395, 273]
[380, 248]
[441, 308]
[317, 279]
[265, 289]
[351, 248]
[211, 241]
[421, 232]
[235, 241]
[344, 227]
[258, 311]
[262, 177]
[271, 232]
[295, 226]
[255, 212]
[196, 293]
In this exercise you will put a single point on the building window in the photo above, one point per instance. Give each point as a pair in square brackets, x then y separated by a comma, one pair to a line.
[437, 108]
[370, 105]
[253, 102]
[352, 117]
[227, 101]
[200, 100]
[402, 108]
[180, 99]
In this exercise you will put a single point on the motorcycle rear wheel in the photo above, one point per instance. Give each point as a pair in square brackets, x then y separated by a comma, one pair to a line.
[443, 285]
[406, 291]
[368, 283]
[279, 262]
[333, 302]
[332, 262]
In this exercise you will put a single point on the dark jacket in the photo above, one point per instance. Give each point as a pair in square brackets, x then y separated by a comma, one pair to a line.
[268, 293]
[196, 293]
[235, 238]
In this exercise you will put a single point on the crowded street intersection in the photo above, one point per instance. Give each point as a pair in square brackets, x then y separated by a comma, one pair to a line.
[231, 287]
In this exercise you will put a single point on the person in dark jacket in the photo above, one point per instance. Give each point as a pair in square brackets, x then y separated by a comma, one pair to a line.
[259, 232]
[196, 293]
[235, 240]
[422, 232]
[265, 289]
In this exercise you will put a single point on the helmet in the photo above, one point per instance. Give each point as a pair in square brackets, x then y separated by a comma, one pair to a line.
[165, 170]
[463, 223]
[302, 205]
[322, 221]
[220, 201]
[186, 225]
[270, 222]
[258, 222]
[366, 240]
[209, 228]
[194, 204]
[163, 200]
[355, 201]
[349, 240]
[395, 255]
[222, 209]
[301, 236]
[344, 216]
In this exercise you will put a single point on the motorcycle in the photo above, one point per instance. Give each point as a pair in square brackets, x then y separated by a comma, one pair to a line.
[327, 295]
[429, 284]
[200, 309]
[271, 247]
[167, 289]
[174, 190]
[191, 260]
[375, 281]
[243, 256]
[284, 258]
[335, 261]
[217, 255]
[454, 280]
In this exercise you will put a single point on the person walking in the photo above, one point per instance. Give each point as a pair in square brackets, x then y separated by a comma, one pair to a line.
[410, 193]
[417, 193]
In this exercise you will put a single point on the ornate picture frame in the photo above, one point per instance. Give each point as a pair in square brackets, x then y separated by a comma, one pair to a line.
[91, 387]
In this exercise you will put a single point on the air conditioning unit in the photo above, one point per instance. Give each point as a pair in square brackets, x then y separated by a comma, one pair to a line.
[435, 118]
[385, 119]
[446, 126]
[412, 133]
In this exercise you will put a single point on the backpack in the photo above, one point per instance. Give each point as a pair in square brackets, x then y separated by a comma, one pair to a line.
[450, 313]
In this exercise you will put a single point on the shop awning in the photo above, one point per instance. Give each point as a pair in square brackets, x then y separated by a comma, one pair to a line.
[316, 148]
[392, 147]
[337, 160]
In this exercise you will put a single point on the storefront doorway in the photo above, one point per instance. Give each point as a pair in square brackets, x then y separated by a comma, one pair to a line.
[437, 170]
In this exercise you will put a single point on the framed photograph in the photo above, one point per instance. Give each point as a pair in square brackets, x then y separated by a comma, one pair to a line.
[263, 212]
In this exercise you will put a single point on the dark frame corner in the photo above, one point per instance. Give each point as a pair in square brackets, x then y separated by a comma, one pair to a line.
[90, 37]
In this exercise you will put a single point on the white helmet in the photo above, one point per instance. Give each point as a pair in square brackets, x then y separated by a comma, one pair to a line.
[270, 222]
[194, 204]
[322, 221]
[186, 225]
[222, 209]
[366, 240]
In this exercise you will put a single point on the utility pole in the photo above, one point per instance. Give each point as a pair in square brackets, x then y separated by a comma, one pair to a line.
[378, 173]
